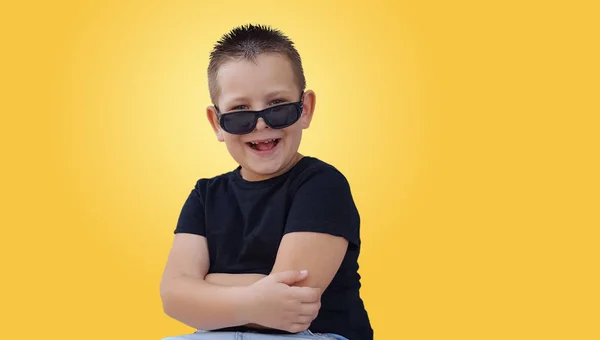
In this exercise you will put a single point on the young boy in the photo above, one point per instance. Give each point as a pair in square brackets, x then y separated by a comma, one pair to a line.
[270, 249]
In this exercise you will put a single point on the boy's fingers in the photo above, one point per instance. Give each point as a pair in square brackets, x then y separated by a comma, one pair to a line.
[289, 277]
[304, 319]
[310, 309]
[307, 294]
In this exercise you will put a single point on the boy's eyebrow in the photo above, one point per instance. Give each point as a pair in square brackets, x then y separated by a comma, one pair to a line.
[235, 99]
[280, 93]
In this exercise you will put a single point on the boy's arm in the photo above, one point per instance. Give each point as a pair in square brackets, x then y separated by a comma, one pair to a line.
[187, 297]
[322, 222]
[235, 280]
[271, 301]
[321, 254]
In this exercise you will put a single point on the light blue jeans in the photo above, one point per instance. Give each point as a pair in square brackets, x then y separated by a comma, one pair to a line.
[306, 335]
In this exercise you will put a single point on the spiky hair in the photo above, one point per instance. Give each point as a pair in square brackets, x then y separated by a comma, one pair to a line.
[248, 42]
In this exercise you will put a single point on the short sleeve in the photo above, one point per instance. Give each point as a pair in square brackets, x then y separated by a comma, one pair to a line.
[323, 203]
[191, 219]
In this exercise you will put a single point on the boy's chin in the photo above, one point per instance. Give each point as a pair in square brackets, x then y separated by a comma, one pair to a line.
[263, 169]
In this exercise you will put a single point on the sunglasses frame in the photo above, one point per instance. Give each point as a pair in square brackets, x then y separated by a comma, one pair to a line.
[261, 114]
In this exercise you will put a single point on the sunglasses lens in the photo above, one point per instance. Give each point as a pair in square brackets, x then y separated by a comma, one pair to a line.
[277, 117]
[238, 123]
[283, 116]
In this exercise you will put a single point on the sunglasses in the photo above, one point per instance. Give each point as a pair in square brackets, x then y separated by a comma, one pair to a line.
[276, 117]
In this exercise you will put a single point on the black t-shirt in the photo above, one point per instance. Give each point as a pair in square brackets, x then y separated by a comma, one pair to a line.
[245, 221]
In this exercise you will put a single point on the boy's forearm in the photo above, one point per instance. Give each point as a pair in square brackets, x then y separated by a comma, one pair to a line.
[236, 280]
[233, 280]
[203, 305]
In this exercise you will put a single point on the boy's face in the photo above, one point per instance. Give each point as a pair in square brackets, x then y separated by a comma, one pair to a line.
[256, 85]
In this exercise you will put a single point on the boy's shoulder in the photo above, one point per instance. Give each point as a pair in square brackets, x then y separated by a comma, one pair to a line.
[311, 168]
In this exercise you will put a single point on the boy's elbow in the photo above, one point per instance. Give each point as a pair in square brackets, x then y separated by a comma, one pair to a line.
[167, 296]
[174, 303]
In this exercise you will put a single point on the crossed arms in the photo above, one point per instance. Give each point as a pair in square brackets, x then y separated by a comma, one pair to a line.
[286, 299]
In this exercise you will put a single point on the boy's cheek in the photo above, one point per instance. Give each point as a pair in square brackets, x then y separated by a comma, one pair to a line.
[232, 142]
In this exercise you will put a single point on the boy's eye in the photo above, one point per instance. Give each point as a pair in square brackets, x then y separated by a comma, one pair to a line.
[277, 101]
[245, 107]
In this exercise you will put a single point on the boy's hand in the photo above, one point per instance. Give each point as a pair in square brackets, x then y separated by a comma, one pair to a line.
[277, 305]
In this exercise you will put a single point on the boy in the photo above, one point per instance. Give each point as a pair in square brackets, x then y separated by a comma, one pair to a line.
[270, 249]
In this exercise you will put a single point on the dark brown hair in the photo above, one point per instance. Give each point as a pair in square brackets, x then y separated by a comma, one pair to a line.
[248, 42]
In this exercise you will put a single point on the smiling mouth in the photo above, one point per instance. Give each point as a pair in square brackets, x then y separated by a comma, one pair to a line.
[264, 145]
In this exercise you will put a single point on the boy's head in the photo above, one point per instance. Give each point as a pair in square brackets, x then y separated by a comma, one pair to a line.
[256, 69]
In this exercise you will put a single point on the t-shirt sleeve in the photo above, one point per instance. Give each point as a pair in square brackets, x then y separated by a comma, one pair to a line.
[191, 219]
[323, 203]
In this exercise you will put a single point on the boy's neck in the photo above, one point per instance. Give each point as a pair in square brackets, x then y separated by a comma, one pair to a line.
[251, 177]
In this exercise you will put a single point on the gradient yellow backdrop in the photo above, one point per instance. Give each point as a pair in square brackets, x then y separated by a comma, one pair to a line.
[467, 129]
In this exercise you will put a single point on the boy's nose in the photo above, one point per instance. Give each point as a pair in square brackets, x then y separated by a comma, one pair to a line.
[260, 124]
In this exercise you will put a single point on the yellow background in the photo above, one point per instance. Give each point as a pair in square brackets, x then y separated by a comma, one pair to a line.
[467, 129]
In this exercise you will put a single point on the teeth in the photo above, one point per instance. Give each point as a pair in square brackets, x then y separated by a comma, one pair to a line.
[265, 142]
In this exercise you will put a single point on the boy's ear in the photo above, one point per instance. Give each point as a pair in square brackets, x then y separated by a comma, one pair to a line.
[211, 114]
[308, 108]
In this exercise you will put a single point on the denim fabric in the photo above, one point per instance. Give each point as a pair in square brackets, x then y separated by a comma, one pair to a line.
[306, 335]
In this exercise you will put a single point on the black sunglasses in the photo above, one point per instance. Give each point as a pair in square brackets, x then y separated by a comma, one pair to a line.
[276, 117]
